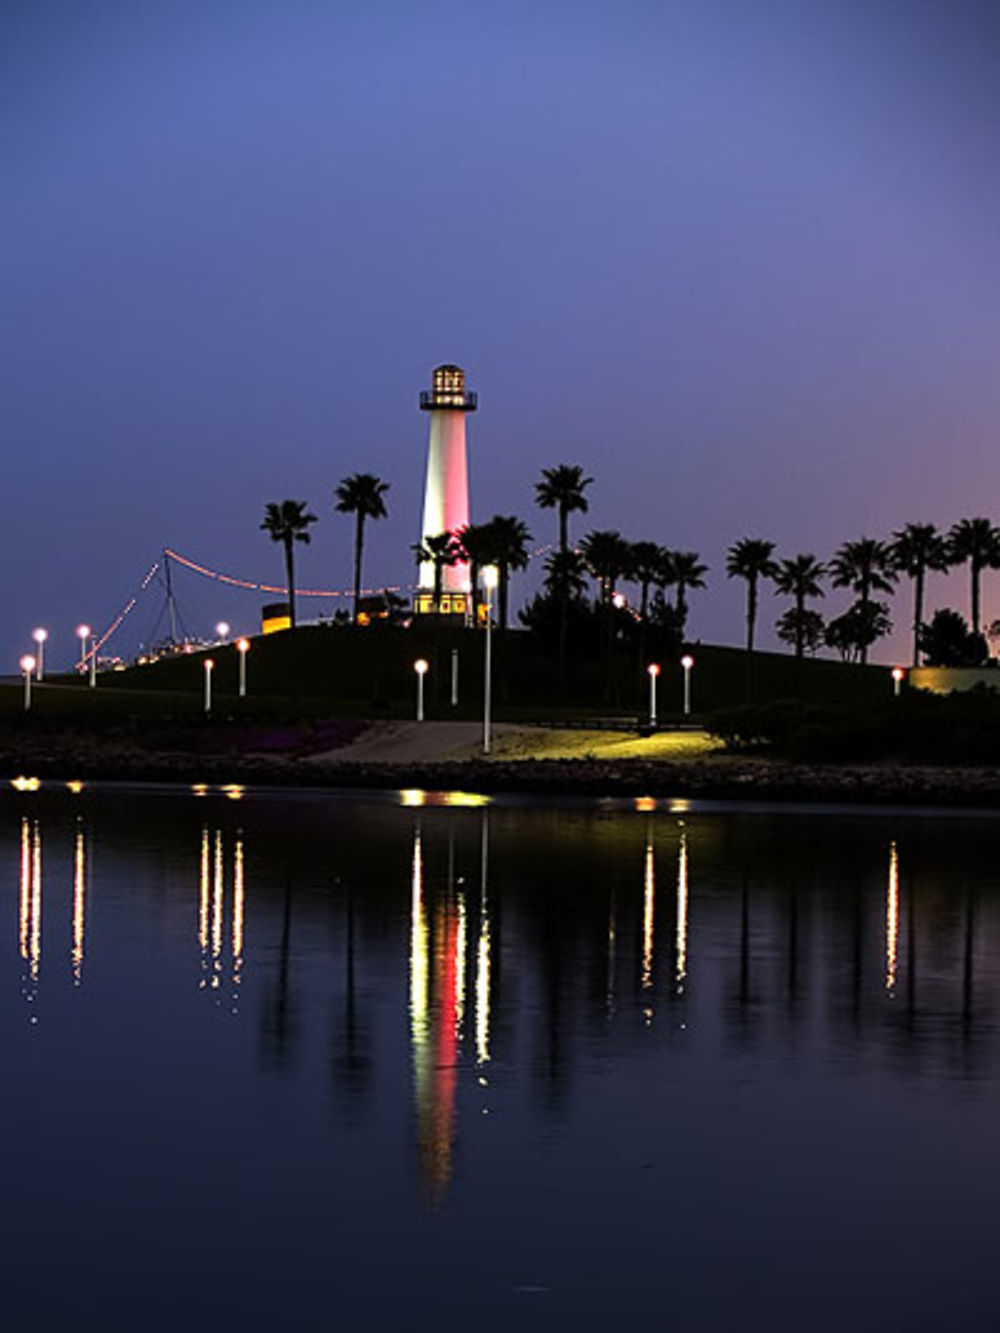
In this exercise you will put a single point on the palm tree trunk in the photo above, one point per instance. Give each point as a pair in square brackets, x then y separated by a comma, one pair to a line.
[563, 530]
[918, 612]
[863, 654]
[751, 611]
[503, 588]
[359, 539]
[800, 608]
[975, 596]
[438, 583]
[290, 579]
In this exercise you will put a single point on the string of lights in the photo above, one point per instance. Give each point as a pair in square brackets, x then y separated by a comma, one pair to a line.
[247, 584]
[99, 642]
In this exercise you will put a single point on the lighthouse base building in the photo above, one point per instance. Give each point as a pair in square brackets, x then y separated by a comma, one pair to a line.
[446, 489]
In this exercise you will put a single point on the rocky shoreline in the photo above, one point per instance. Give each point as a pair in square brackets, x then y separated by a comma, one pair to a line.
[716, 778]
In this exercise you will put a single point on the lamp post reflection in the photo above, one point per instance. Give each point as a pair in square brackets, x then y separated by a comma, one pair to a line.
[680, 947]
[648, 915]
[30, 906]
[483, 951]
[79, 902]
[892, 920]
[211, 910]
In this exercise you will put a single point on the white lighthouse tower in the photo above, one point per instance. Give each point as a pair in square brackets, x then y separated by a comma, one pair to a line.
[446, 486]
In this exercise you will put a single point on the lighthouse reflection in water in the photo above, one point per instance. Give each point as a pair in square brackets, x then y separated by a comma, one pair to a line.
[548, 1039]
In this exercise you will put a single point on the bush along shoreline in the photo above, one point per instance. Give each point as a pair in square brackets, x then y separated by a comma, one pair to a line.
[916, 728]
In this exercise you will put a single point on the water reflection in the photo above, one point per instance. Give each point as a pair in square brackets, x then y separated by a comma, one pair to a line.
[79, 902]
[30, 907]
[212, 910]
[892, 920]
[529, 938]
[680, 966]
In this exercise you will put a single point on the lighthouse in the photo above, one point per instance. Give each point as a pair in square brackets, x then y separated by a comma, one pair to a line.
[446, 484]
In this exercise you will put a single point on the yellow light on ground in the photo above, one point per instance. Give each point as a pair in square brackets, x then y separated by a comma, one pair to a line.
[412, 797]
[25, 784]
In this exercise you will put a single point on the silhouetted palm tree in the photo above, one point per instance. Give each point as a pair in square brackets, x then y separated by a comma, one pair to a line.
[751, 559]
[288, 522]
[683, 570]
[915, 549]
[565, 572]
[440, 550]
[361, 495]
[478, 545]
[645, 564]
[865, 566]
[563, 488]
[799, 577]
[606, 556]
[511, 538]
[977, 542]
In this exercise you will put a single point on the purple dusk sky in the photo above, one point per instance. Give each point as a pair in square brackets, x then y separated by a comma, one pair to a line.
[738, 260]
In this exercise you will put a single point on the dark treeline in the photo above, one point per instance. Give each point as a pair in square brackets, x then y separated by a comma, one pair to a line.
[663, 577]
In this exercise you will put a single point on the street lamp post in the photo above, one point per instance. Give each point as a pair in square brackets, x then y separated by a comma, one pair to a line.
[40, 635]
[687, 662]
[898, 675]
[209, 668]
[490, 579]
[28, 665]
[653, 670]
[83, 633]
[243, 647]
[420, 667]
[454, 677]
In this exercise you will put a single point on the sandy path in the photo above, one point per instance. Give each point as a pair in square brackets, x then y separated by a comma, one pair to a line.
[432, 742]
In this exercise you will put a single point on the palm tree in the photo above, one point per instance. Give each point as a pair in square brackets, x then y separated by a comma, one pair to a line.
[565, 572]
[865, 566]
[799, 577]
[361, 495]
[645, 564]
[510, 538]
[915, 549]
[477, 544]
[606, 556]
[683, 570]
[563, 488]
[288, 523]
[439, 550]
[752, 559]
[977, 541]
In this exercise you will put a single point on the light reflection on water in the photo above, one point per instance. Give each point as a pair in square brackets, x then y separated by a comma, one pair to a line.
[562, 1022]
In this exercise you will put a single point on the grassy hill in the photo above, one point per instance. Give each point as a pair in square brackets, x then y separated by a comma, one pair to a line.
[352, 673]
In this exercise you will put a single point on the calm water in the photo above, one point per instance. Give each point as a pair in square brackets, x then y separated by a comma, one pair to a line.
[325, 1062]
